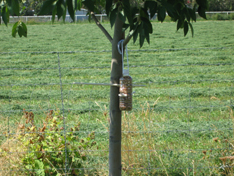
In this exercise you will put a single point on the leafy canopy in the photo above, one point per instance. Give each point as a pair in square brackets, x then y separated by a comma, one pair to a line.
[135, 14]
[12, 7]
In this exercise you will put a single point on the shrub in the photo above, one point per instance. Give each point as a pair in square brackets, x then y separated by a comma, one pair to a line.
[219, 17]
[49, 149]
[224, 16]
[231, 16]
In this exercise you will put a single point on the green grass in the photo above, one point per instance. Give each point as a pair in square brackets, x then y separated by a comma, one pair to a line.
[189, 92]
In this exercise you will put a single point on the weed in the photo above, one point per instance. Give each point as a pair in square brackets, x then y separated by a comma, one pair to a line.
[221, 156]
[46, 150]
[138, 147]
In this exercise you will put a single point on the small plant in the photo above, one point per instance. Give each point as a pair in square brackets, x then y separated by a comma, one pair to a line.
[227, 156]
[222, 153]
[51, 150]
[221, 156]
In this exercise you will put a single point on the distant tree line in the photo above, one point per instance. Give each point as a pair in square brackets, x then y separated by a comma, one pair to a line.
[216, 5]
[32, 7]
[221, 5]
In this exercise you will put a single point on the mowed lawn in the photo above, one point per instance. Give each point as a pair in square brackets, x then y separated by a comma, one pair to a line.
[186, 103]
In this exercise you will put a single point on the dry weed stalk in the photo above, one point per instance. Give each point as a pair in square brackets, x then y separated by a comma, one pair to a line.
[226, 156]
[11, 153]
[137, 142]
[228, 161]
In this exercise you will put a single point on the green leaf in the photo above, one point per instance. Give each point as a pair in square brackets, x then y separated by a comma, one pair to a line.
[64, 12]
[170, 9]
[15, 7]
[54, 13]
[186, 11]
[185, 28]
[180, 24]
[202, 12]
[148, 29]
[20, 31]
[203, 3]
[121, 16]
[89, 17]
[5, 15]
[135, 33]
[144, 13]
[15, 29]
[23, 8]
[89, 4]
[147, 36]
[78, 4]
[113, 16]
[191, 27]
[161, 13]
[108, 6]
[47, 7]
[60, 8]
[134, 11]
[192, 14]
[39, 168]
[25, 30]
[70, 7]
[147, 25]
[141, 34]
[142, 38]
[152, 6]
[127, 10]
[125, 27]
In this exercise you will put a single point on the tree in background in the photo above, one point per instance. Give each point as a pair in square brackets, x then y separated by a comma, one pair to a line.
[130, 20]
[32, 7]
[215, 5]
[221, 5]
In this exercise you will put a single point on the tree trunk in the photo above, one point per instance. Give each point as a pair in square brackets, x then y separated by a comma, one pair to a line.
[115, 113]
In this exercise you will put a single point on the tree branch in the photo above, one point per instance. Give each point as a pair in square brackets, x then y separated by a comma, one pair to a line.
[101, 27]
[127, 39]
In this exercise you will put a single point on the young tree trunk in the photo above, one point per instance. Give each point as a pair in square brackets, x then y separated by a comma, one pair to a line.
[115, 113]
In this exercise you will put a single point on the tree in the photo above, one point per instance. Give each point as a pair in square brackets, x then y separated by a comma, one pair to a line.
[221, 5]
[12, 7]
[32, 7]
[124, 15]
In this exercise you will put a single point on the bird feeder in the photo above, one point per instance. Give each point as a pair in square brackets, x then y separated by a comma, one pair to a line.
[125, 92]
[125, 84]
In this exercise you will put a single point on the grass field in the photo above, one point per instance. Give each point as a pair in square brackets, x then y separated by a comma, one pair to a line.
[186, 104]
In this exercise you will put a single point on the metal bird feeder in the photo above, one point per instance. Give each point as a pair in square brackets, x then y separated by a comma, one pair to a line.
[125, 84]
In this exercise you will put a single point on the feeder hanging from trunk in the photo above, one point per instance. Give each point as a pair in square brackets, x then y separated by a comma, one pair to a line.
[125, 89]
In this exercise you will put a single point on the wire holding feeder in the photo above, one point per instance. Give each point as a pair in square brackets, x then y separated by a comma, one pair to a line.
[105, 84]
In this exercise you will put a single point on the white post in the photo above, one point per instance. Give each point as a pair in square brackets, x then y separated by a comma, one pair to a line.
[101, 18]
